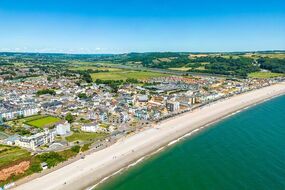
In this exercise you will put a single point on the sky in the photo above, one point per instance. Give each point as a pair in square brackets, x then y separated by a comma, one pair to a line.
[121, 26]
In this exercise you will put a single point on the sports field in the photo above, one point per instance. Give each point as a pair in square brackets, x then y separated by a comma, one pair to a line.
[43, 122]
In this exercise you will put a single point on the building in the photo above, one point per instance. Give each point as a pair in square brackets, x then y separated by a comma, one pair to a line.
[63, 128]
[11, 140]
[142, 114]
[93, 128]
[172, 106]
[1, 120]
[34, 141]
[210, 97]
[103, 116]
[143, 98]
[44, 165]
[14, 113]
[118, 118]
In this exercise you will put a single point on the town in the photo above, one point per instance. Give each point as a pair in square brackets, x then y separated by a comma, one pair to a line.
[57, 112]
[44, 113]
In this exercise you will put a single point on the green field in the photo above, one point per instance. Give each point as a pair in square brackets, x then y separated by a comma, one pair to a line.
[264, 75]
[180, 68]
[126, 74]
[83, 136]
[43, 122]
[82, 68]
[9, 154]
[186, 68]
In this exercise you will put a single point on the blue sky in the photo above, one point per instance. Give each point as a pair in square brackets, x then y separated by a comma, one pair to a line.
[113, 26]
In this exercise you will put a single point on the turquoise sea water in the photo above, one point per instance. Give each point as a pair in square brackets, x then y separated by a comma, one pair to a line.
[245, 151]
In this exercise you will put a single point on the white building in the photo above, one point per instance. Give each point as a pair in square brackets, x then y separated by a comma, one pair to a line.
[25, 112]
[92, 127]
[210, 97]
[143, 98]
[34, 141]
[63, 128]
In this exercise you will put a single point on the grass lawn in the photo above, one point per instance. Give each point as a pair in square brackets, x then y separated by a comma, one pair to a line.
[83, 136]
[125, 74]
[43, 122]
[264, 75]
[9, 154]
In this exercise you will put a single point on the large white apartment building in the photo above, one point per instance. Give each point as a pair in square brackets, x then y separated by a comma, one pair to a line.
[25, 112]
[34, 141]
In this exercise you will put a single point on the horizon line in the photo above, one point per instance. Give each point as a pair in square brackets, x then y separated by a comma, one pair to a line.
[142, 52]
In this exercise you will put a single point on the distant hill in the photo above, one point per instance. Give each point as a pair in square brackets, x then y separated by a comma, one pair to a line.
[226, 63]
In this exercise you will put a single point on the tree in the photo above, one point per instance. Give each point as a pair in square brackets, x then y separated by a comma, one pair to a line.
[82, 96]
[75, 148]
[46, 91]
[69, 117]
[49, 78]
[51, 158]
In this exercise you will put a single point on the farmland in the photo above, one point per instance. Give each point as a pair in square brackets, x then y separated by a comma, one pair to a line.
[265, 75]
[126, 74]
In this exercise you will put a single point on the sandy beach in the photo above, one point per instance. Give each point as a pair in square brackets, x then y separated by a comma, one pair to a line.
[84, 173]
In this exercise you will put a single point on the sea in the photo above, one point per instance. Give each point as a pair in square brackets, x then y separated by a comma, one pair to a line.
[243, 152]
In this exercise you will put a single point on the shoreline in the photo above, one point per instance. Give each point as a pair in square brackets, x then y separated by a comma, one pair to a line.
[187, 135]
[100, 166]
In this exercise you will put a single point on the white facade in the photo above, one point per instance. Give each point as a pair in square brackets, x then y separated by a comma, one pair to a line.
[92, 128]
[63, 129]
[24, 112]
[210, 97]
[173, 106]
[34, 141]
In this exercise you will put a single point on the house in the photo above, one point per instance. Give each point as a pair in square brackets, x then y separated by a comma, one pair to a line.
[172, 106]
[103, 116]
[92, 115]
[118, 118]
[92, 127]
[63, 128]
[143, 98]
[142, 114]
